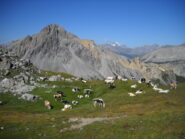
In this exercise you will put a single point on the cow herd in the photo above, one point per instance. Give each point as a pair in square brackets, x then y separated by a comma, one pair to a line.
[59, 95]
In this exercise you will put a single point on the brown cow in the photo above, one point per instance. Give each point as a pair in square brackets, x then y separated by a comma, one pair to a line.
[57, 96]
[173, 85]
[47, 104]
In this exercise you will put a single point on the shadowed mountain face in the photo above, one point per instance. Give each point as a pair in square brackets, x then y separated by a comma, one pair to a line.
[55, 49]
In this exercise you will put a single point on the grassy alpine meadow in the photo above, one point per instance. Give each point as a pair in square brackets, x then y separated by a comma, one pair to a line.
[146, 116]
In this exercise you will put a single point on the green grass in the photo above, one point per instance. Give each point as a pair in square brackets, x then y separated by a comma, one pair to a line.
[150, 115]
[51, 73]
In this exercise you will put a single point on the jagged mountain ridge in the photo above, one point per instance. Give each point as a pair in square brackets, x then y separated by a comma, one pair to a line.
[55, 49]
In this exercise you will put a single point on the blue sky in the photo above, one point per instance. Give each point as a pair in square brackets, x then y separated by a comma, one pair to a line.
[130, 22]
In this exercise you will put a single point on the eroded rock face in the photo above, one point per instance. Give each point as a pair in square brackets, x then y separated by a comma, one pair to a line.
[56, 49]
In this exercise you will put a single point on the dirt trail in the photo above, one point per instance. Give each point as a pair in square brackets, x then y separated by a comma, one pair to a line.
[84, 121]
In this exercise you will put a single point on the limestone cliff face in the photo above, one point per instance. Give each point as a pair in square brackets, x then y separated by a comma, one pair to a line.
[55, 49]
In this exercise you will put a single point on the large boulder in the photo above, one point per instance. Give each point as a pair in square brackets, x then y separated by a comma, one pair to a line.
[29, 97]
[7, 83]
[55, 78]
[22, 88]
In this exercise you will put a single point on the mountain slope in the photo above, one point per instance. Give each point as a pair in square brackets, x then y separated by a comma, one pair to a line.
[55, 49]
[166, 54]
[171, 57]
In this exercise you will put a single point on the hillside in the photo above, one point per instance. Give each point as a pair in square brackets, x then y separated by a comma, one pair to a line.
[171, 57]
[148, 115]
[24, 88]
[166, 54]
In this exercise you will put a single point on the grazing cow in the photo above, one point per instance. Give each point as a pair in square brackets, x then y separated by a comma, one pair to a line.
[66, 107]
[84, 81]
[156, 88]
[139, 92]
[76, 89]
[164, 91]
[57, 96]
[99, 101]
[131, 94]
[88, 91]
[65, 102]
[139, 81]
[86, 96]
[133, 78]
[60, 92]
[133, 86]
[173, 85]
[110, 78]
[74, 102]
[112, 85]
[47, 104]
[124, 79]
[149, 83]
[143, 80]
[80, 96]
[109, 81]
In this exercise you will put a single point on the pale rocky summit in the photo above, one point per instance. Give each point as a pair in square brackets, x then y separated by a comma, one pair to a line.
[55, 49]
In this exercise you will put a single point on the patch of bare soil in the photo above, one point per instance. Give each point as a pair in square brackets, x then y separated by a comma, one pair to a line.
[81, 122]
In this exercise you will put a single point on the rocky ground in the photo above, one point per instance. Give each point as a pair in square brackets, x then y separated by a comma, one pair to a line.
[19, 76]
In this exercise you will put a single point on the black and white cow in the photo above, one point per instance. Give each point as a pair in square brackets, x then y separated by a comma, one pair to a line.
[99, 101]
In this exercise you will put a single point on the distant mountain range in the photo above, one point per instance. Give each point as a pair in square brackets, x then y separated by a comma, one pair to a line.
[55, 49]
[130, 52]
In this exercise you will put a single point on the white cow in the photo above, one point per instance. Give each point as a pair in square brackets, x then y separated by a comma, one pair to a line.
[124, 79]
[131, 94]
[80, 96]
[133, 86]
[139, 92]
[84, 81]
[74, 102]
[164, 91]
[66, 107]
[86, 96]
[110, 78]
[109, 81]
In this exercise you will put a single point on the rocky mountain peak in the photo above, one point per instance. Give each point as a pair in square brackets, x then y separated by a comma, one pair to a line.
[52, 27]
